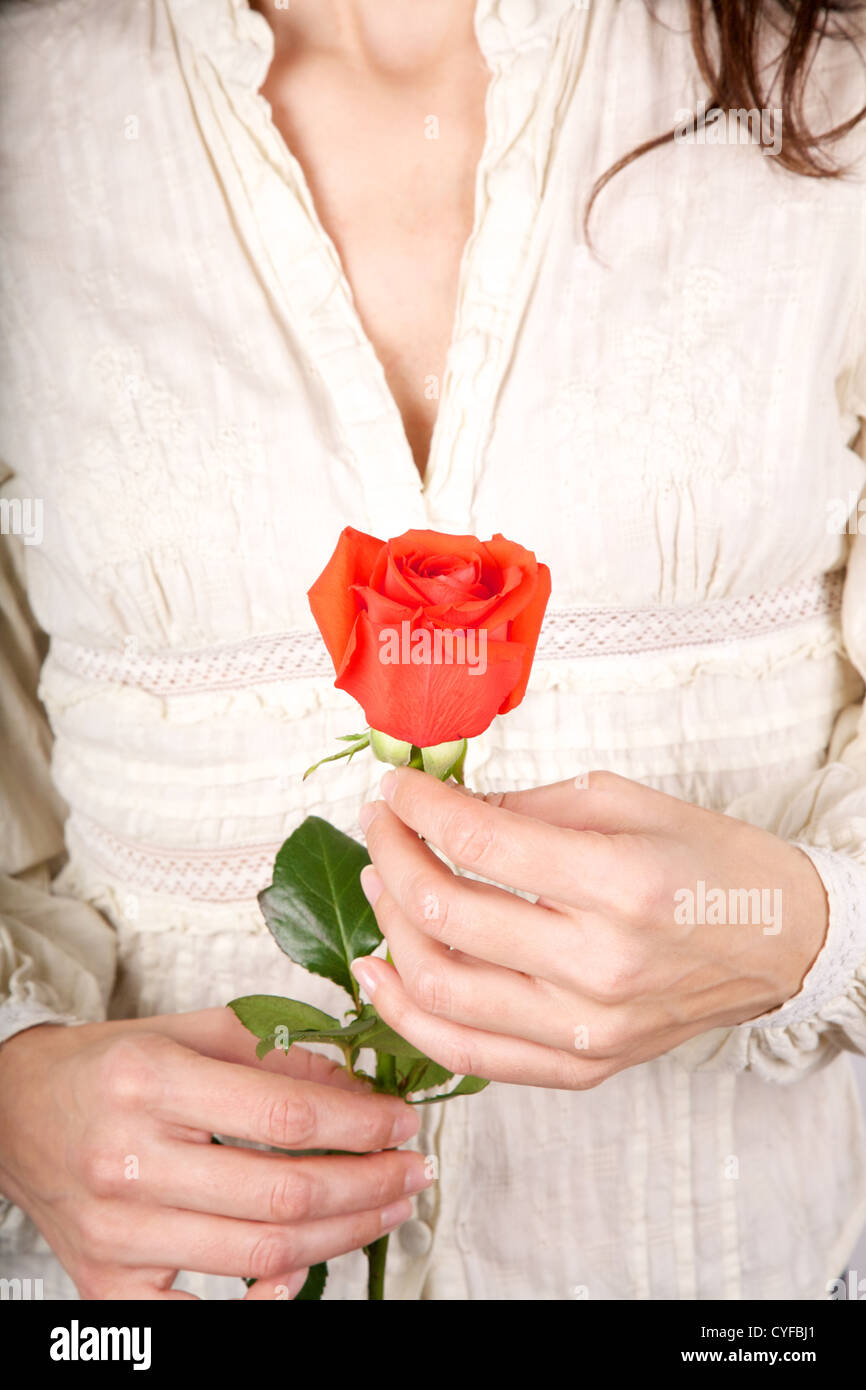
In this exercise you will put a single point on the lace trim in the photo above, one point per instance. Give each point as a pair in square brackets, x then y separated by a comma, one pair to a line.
[567, 635]
[285, 656]
[223, 875]
[843, 951]
[592, 632]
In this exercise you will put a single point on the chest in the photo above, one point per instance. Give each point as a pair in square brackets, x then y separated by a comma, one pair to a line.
[659, 424]
[391, 169]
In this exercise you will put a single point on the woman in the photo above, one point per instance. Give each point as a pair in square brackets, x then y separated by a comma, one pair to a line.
[277, 271]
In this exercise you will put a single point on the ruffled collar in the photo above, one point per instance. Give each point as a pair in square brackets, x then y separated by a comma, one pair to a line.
[237, 40]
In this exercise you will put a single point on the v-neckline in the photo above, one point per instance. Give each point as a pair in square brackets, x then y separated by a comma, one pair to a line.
[271, 204]
[402, 445]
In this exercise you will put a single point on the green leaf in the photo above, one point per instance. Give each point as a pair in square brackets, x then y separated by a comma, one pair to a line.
[367, 1030]
[467, 1087]
[417, 1077]
[314, 1284]
[315, 907]
[340, 1033]
[262, 1014]
[294, 1022]
[383, 1039]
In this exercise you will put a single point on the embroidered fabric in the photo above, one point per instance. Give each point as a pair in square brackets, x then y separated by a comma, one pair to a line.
[237, 874]
[215, 876]
[567, 634]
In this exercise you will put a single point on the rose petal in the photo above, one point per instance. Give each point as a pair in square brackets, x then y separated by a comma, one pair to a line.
[525, 629]
[333, 604]
[427, 703]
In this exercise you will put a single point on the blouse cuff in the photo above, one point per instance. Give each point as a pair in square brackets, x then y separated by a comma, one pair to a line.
[844, 948]
[18, 1014]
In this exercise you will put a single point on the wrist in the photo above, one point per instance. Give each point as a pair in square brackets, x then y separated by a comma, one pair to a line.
[19, 1051]
[838, 956]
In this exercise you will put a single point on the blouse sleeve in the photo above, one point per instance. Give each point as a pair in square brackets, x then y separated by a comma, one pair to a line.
[824, 816]
[57, 955]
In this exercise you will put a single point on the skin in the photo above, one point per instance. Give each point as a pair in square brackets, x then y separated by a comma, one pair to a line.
[351, 88]
[596, 975]
[78, 1103]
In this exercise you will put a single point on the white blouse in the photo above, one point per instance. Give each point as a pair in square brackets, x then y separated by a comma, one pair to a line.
[671, 425]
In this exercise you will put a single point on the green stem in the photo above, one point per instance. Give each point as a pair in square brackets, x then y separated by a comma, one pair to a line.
[376, 1254]
[386, 1072]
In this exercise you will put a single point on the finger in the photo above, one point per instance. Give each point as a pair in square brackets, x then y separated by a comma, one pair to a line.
[304, 1065]
[254, 1186]
[219, 1033]
[448, 985]
[478, 919]
[596, 800]
[119, 1282]
[248, 1249]
[225, 1098]
[468, 1051]
[576, 867]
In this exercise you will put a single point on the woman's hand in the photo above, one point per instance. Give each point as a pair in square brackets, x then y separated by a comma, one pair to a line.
[105, 1141]
[646, 929]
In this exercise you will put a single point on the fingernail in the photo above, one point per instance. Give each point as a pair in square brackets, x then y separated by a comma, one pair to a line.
[368, 813]
[364, 975]
[406, 1124]
[388, 785]
[397, 1212]
[416, 1178]
[371, 884]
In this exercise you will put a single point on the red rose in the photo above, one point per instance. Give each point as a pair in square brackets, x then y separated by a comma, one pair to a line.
[432, 634]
